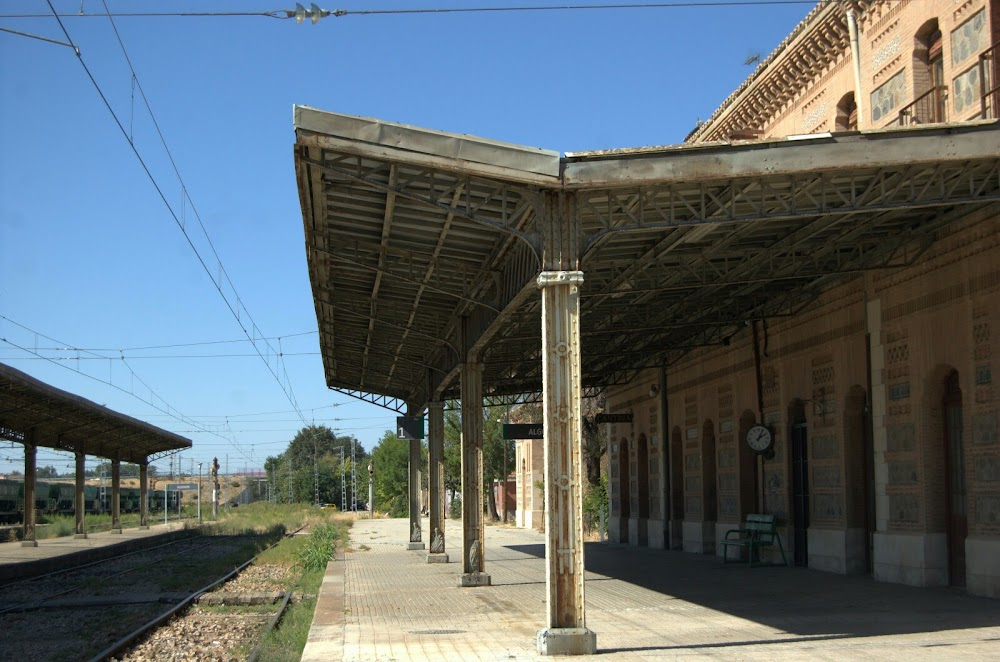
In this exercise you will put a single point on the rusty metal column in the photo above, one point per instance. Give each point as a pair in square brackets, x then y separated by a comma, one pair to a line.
[473, 560]
[566, 631]
[30, 456]
[435, 451]
[144, 494]
[81, 467]
[416, 535]
[116, 485]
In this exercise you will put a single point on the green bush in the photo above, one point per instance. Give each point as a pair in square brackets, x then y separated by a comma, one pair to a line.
[319, 548]
[595, 501]
[456, 507]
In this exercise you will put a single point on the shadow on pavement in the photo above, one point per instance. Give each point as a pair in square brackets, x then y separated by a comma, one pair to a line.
[799, 601]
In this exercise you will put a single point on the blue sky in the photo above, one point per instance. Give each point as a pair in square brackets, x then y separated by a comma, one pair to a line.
[90, 255]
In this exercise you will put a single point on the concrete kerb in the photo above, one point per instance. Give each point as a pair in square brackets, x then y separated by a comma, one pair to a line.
[326, 635]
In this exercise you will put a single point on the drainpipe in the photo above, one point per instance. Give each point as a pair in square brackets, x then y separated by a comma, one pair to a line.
[852, 26]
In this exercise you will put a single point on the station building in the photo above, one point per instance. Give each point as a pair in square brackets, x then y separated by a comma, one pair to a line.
[879, 393]
[819, 264]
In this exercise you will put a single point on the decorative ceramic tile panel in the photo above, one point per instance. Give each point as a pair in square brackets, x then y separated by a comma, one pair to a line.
[969, 38]
[965, 90]
[888, 97]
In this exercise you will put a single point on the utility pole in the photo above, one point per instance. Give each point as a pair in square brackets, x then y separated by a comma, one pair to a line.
[199, 491]
[354, 478]
[315, 470]
[343, 481]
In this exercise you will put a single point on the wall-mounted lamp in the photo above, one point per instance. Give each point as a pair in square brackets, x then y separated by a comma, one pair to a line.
[653, 390]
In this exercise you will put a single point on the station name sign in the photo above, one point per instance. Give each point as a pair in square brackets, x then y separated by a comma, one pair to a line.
[613, 418]
[183, 486]
[523, 431]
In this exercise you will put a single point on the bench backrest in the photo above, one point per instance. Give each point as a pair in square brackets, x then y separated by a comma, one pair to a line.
[760, 523]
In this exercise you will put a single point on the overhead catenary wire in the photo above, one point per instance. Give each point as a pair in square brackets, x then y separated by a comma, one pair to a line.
[339, 13]
[141, 356]
[285, 387]
[171, 346]
[166, 408]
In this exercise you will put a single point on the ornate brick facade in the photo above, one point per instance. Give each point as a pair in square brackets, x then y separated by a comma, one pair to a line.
[880, 396]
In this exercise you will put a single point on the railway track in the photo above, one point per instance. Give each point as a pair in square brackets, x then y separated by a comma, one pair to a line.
[121, 600]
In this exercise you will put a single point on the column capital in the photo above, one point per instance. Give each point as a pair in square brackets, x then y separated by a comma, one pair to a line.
[549, 278]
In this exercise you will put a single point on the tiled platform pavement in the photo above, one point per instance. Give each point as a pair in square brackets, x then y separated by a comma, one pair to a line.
[643, 604]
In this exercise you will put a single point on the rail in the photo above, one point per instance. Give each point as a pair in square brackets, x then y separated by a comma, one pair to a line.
[928, 108]
[128, 640]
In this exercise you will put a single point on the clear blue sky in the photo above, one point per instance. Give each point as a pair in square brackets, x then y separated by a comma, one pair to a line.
[90, 255]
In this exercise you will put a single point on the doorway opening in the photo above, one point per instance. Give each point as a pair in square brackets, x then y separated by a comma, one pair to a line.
[958, 521]
[800, 484]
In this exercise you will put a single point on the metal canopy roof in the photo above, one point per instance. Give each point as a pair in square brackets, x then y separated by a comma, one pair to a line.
[68, 422]
[408, 231]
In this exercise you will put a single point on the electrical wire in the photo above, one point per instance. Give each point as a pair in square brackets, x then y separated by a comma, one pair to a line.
[159, 356]
[166, 409]
[289, 393]
[286, 388]
[173, 346]
[286, 14]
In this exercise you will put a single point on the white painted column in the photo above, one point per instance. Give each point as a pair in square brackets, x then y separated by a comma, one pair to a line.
[416, 535]
[435, 451]
[473, 559]
[566, 632]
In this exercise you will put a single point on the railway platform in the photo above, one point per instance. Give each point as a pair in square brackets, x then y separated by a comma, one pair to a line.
[383, 602]
[64, 552]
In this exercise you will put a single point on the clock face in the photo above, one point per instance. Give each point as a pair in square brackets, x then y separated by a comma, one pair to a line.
[759, 438]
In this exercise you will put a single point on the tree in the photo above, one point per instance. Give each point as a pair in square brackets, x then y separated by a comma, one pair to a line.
[452, 452]
[47, 471]
[494, 449]
[594, 442]
[493, 453]
[390, 460]
[312, 460]
[315, 441]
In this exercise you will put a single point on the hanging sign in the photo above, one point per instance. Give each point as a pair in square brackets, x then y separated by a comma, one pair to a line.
[613, 418]
[523, 431]
[409, 427]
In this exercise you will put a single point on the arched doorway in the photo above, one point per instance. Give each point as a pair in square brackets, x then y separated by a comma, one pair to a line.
[624, 489]
[642, 480]
[711, 496]
[799, 457]
[749, 488]
[929, 84]
[954, 458]
[859, 481]
[676, 489]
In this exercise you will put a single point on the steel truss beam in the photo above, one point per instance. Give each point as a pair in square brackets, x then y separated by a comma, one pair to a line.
[510, 197]
[788, 198]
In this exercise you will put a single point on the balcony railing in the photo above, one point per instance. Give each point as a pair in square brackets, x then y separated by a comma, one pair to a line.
[928, 108]
[989, 88]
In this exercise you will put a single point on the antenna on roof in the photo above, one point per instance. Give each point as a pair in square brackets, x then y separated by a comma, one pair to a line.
[753, 59]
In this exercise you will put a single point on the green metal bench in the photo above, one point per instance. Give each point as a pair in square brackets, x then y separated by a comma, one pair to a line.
[758, 531]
